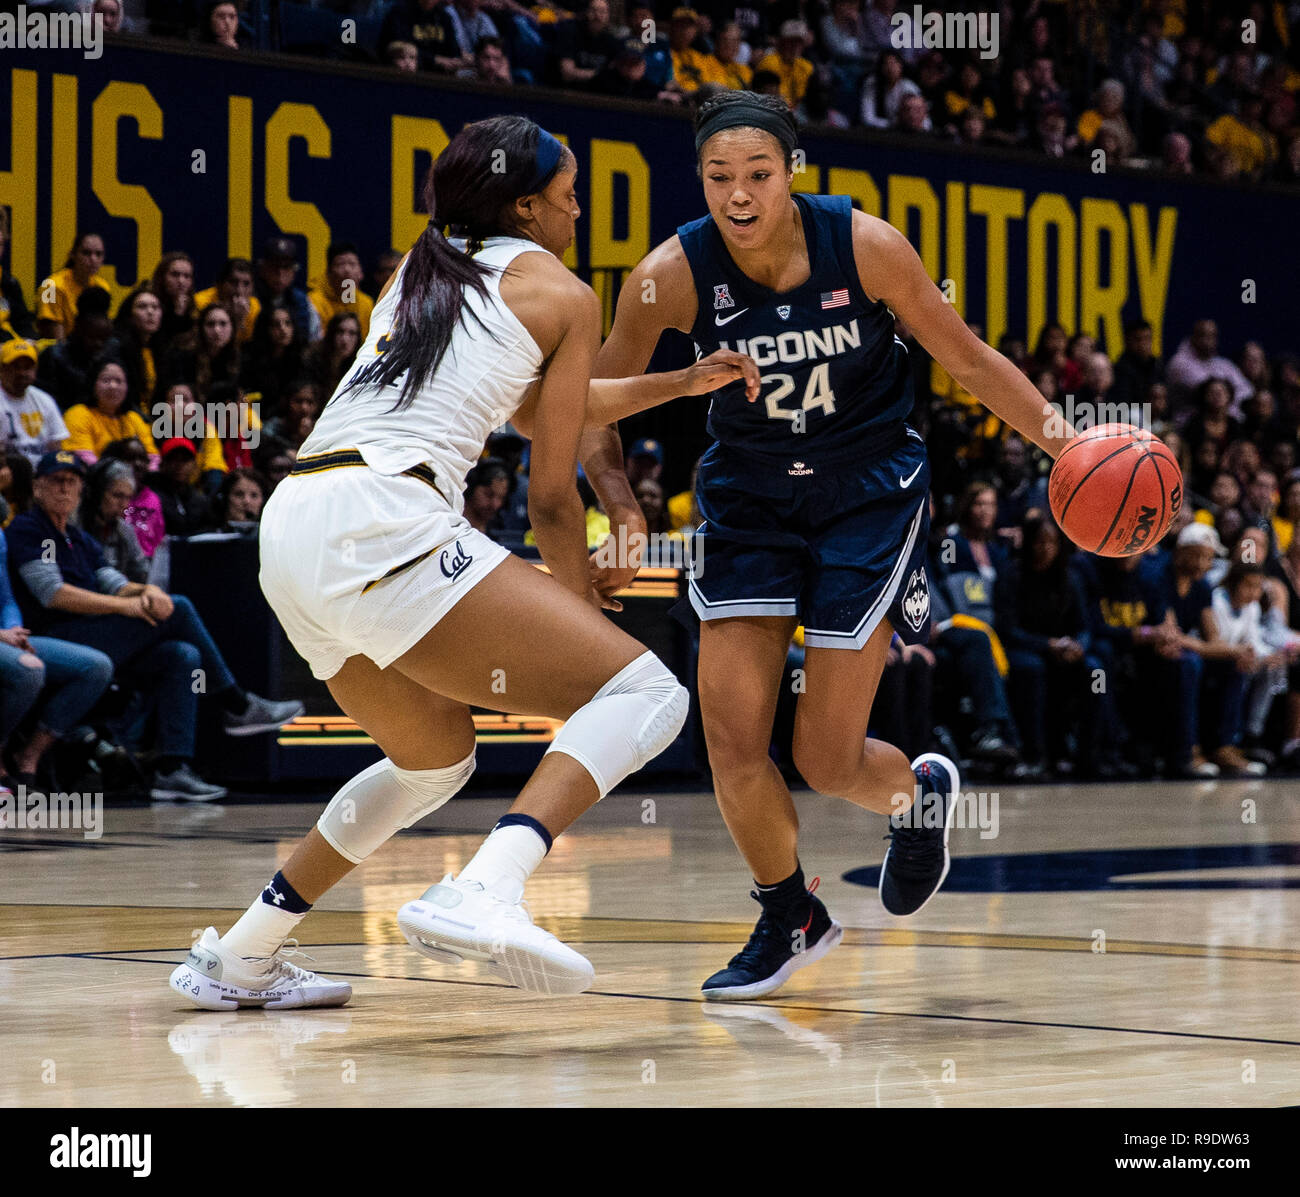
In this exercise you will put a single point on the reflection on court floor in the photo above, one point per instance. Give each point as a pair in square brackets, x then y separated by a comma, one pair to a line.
[1100, 950]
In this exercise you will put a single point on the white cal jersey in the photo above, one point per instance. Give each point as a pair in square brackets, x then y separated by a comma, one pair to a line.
[477, 387]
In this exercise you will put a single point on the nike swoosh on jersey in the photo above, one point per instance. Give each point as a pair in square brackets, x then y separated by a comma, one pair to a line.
[719, 321]
[906, 482]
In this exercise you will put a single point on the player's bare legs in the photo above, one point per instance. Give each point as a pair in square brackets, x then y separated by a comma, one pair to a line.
[520, 642]
[415, 728]
[831, 750]
[741, 670]
[742, 665]
[832, 753]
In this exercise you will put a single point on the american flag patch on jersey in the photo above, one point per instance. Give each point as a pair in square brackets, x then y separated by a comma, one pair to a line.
[835, 299]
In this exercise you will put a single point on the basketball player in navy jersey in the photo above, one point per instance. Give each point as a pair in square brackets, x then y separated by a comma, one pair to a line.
[814, 497]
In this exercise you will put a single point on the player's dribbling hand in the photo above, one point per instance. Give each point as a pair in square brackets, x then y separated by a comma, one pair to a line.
[718, 369]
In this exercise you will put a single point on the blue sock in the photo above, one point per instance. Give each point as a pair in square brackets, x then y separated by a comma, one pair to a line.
[283, 896]
[526, 821]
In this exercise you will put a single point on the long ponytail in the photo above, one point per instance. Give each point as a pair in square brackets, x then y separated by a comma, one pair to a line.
[470, 189]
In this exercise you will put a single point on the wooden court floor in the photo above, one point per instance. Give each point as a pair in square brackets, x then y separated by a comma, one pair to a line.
[1110, 945]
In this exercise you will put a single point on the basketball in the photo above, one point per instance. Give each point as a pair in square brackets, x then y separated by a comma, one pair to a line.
[1115, 490]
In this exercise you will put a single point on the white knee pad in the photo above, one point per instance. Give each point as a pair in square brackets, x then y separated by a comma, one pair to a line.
[632, 718]
[378, 802]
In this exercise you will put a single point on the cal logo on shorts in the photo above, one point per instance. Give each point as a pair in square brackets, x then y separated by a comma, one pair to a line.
[453, 565]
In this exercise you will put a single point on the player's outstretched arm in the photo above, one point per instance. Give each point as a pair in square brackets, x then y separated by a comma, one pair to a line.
[659, 294]
[891, 271]
[614, 399]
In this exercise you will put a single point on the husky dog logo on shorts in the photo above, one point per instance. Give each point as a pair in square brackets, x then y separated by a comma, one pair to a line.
[916, 600]
[722, 297]
[460, 563]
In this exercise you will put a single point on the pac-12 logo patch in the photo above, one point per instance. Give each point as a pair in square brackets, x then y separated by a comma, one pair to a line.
[916, 600]
[722, 297]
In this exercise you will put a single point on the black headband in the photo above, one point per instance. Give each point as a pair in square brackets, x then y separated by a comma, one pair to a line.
[745, 114]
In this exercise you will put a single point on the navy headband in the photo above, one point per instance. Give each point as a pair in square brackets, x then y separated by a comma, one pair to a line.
[747, 115]
[549, 152]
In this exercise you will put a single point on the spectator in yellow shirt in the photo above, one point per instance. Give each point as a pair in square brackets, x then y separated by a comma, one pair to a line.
[93, 425]
[1243, 141]
[1287, 515]
[339, 289]
[788, 64]
[683, 511]
[15, 320]
[690, 67]
[56, 297]
[723, 66]
[179, 414]
[234, 291]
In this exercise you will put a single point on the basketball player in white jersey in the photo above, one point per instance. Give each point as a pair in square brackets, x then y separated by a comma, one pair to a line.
[412, 616]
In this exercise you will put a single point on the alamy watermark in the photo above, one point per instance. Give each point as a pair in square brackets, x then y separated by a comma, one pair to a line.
[1083, 414]
[38, 29]
[920, 30]
[971, 810]
[228, 421]
[89, 1149]
[32, 810]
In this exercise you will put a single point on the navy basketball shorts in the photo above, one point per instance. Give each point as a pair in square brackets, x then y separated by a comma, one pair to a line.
[841, 549]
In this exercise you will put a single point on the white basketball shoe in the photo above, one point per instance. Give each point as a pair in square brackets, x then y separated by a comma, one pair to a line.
[455, 921]
[215, 979]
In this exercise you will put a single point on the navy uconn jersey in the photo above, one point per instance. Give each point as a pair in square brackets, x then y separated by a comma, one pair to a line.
[836, 385]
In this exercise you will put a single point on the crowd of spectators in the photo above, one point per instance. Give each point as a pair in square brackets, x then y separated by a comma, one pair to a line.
[123, 425]
[184, 408]
[1180, 86]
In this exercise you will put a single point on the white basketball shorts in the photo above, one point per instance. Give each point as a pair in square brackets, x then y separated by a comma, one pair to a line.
[358, 562]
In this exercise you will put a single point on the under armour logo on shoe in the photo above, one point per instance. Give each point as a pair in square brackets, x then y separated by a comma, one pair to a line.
[276, 896]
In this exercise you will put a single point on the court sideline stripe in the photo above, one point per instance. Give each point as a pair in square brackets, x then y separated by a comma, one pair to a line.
[855, 937]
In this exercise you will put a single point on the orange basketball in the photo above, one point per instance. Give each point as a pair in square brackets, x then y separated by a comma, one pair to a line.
[1115, 490]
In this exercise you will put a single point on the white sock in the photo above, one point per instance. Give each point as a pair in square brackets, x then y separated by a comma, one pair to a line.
[261, 930]
[511, 854]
